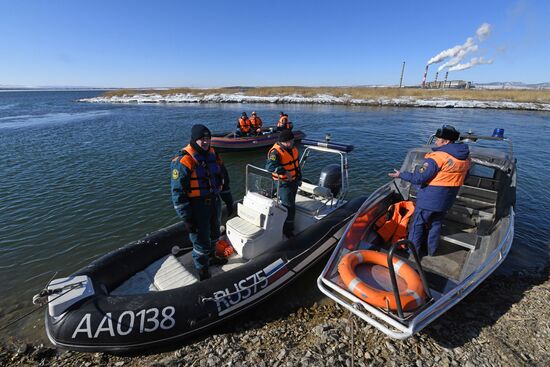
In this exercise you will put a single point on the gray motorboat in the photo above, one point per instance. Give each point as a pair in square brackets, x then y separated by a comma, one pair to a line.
[400, 294]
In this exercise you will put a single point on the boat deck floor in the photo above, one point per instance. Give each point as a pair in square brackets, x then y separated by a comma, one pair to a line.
[448, 261]
[170, 272]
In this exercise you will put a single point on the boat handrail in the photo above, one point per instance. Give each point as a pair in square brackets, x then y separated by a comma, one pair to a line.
[408, 244]
[343, 167]
[327, 144]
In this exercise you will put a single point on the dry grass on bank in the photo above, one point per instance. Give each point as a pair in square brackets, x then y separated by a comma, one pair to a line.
[512, 95]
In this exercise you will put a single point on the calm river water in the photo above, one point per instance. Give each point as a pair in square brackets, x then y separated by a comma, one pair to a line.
[78, 180]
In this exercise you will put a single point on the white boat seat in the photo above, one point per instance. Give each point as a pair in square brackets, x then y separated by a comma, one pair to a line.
[251, 215]
[244, 228]
[316, 190]
[257, 227]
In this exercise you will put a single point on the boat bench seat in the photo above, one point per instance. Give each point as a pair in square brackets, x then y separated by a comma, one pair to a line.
[165, 273]
[251, 215]
[315, 190]
[257, 227]
[471, 214]
[308, 205]
[248, 223]
[473, 206]
[244, 228]
[455, 236]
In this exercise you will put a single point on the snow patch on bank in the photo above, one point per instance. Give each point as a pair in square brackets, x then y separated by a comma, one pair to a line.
[318, 99]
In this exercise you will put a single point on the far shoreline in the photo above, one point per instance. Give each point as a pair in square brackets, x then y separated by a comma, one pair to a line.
[509, 99]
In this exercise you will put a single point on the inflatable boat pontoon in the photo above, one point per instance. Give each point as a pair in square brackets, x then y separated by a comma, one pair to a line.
[231, 142]
[147, 294]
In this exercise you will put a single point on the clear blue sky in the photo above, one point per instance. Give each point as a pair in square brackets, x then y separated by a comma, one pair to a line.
[260, 43]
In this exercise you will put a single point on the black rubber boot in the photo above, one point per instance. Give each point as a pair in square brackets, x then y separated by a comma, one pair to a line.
[288, 233]
[203, 273]
[216, 260]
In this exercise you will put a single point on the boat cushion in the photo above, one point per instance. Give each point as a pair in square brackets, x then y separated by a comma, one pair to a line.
[316, 190]
[165, 273]
[245, 228]
[251, 215]
[168, 273]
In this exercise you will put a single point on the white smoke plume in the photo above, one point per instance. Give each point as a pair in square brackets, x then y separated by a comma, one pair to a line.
[483, 31]
[473, 62]
[459, 55]
[456, 54]
[451, 52]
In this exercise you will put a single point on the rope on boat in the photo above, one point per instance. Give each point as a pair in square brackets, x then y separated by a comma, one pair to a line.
[37, 300]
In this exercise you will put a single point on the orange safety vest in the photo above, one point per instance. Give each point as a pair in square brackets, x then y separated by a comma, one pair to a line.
[244, 125]
[452, 171]
[283, 122]
[255, 122]
[393, 224]
[206, 173]
[287, 160]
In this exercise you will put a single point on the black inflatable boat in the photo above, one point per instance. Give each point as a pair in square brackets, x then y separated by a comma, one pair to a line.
[146, 294]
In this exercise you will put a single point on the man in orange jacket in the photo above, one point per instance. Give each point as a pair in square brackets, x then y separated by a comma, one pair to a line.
[256, 124]
[283, 162]
[199, 183]
[243, 126]
[440, 177]
[284, 123]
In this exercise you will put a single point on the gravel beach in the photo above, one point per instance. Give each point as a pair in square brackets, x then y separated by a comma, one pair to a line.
[505, 321]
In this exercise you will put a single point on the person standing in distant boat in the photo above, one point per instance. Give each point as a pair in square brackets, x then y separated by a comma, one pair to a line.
[284, 123]
[282, 161]
[197, 181]
[440, 177]
[243, 126]
[256, 124]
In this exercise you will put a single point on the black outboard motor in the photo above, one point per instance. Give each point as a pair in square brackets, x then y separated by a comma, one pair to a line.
[331, 177]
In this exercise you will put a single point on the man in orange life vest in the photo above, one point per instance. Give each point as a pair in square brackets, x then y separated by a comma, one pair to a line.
[243, 126]
[284, 123]
[256, 124]
[282, 160]
[440, 177]
[197, 182]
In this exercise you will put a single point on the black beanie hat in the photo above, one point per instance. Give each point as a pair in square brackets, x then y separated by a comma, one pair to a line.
[199, 131]
[286, 135]
[447, 132]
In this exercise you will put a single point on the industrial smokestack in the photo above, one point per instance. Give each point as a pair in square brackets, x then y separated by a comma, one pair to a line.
[425, 75]
[402, 72]
[446, 76]
[436, 75]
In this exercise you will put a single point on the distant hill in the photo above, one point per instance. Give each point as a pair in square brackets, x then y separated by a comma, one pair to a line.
[511, 85]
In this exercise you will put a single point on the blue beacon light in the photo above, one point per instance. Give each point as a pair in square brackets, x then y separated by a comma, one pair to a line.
[498, 133]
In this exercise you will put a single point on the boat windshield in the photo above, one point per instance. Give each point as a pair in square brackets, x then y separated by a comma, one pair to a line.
[259, 180]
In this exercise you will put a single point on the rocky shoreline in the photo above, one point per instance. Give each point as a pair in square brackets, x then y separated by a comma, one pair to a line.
[504, 322]
[319, 99]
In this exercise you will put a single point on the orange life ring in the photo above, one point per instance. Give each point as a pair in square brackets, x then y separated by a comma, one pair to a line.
[411, 298]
